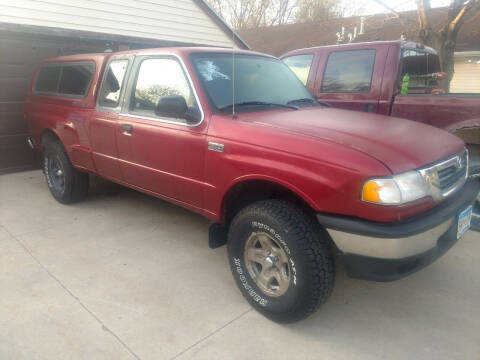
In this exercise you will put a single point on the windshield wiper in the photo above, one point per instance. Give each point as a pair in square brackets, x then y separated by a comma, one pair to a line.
[258, 103]
[309, 100]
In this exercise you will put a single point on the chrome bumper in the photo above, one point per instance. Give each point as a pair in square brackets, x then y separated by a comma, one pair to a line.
[389, 248]
[390, 251]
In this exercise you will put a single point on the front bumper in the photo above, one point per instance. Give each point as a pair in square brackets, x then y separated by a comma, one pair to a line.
[390, 251]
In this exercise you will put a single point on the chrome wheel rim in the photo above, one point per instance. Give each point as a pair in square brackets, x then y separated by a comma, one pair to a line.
[267, 264]
[56, 174]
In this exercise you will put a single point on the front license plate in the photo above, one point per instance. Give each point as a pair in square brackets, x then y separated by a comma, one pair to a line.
[464, 220]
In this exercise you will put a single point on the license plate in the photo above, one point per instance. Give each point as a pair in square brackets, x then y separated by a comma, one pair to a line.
[464, 220]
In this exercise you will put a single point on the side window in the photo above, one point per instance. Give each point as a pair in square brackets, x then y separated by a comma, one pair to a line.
[349, 71]
[47, 79]
[159, 78]
[112, 83]
[300, 65]
[75, 79]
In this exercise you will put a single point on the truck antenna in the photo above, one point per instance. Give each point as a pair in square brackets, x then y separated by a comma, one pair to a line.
[234, 115]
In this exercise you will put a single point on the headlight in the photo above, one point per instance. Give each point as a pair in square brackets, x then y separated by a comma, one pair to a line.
[396, 190]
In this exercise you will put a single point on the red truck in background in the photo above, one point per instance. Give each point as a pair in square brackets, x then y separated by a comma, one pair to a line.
[368, 77]
[289, 182]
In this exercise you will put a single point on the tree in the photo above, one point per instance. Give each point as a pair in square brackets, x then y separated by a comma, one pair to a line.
[283, 11]
[242, 14]
[317, 10]
[148, 97]
[444, 37]
[444, 40]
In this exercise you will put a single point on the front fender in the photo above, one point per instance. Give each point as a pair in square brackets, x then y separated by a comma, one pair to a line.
[327, 186]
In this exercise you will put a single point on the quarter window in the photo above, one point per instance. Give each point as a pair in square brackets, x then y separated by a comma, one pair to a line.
[75, 79]
[349, 71]
[300, 65]
[112, 83]
[158, 78]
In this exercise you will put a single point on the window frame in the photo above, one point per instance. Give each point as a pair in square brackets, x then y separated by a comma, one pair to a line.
[132, 81]
[349, 92]
[61, 64]
[398, 83]
[118, 108]
[201, 82]
[312, 54]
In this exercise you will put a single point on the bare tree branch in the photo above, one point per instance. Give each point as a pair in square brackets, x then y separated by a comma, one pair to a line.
[468, 9]
[393, 11]
[445, 37]
[425, 31]
[396, 14]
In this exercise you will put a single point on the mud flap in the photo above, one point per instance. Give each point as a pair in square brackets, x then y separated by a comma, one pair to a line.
[217, 235]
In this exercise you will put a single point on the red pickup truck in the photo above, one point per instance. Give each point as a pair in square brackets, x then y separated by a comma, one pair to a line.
[238, 139]
[368, 77]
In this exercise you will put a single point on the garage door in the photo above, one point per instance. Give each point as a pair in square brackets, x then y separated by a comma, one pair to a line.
[20, 53]
[467, 77]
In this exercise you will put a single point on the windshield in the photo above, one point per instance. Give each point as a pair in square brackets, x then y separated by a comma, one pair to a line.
[259, 81]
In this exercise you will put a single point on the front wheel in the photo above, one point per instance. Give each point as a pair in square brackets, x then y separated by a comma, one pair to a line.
[281, 260]
[66, 184]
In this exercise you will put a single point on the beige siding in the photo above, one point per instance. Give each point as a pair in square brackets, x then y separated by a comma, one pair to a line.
[171, 20]
[466, 78]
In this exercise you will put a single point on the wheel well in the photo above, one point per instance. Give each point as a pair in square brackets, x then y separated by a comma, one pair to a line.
[48, 136]
[471, 135]
[250, 191]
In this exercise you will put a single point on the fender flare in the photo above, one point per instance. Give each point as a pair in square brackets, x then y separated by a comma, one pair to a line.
[268, 179]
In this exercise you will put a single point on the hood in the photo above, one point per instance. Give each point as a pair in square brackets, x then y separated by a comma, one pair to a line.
[401, 145]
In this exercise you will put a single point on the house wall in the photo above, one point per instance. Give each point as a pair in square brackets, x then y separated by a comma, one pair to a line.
[467, 73]
[178, 20]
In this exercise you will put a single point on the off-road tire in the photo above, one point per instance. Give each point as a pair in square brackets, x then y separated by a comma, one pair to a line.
[75, 184]
[307, 247]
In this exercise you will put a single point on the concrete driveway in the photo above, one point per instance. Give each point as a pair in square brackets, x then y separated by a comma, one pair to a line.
[126, 276]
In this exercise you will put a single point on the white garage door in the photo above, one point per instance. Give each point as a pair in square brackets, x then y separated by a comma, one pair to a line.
[467, 77]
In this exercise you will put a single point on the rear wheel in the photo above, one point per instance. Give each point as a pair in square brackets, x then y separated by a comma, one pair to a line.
[281, 260]
[66, 184]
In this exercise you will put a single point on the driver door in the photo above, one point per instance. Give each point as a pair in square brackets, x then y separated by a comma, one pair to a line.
[159, 154]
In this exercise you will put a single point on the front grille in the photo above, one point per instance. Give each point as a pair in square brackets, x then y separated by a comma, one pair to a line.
[445, 177]
[452, 174]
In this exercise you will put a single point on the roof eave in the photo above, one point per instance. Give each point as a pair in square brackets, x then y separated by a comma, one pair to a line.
[223, 25]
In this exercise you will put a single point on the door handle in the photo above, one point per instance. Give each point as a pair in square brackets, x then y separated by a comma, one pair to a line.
[127, 129]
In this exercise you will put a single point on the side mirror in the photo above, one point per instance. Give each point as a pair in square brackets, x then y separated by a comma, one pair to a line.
[171, 106]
